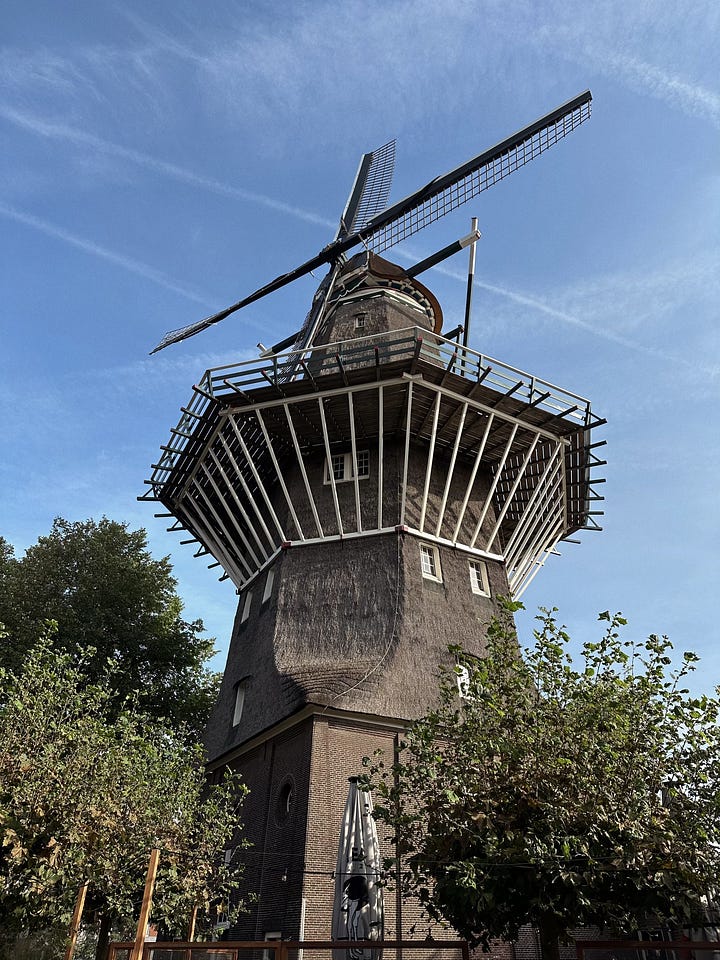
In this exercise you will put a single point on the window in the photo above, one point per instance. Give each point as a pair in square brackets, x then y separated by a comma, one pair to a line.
[284, 801]
[360, 321]
[479, 582]
[271, 935]
[430, 562]
[338, 466]
[245, 615]
[463, 680]
[269, 579]
[341, 465]
[240, 690]
[363, 463]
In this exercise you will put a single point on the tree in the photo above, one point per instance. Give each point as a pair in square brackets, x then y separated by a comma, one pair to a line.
[104, 589]
[557, 795]
[85, 798]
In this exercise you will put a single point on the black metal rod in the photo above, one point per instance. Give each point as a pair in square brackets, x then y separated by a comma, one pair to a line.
[448, 251]
[287, 342]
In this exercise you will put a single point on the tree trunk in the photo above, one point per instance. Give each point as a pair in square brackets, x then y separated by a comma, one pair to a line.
[103, 940]
[549, 931]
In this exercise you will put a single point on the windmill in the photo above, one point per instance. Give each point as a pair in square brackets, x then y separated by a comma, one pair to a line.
[372, 488]
[365, 223]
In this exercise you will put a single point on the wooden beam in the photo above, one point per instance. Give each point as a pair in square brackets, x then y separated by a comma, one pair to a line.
[76, 920]
[137, 950]
[353, 453]
[473, 474]
[511, 492]
[451, 470]
[493, 486]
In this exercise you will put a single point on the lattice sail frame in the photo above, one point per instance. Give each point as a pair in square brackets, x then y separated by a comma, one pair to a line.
[371, 189]
[237, 473]
[481, 175]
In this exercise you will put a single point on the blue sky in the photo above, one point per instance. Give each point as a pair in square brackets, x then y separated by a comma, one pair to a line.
[161, 160]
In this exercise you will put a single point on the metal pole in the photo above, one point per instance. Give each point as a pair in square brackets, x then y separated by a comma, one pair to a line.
[469, 293]
[75, 923]
[137, 949]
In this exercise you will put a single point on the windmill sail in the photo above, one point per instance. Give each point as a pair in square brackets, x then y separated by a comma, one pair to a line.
[358, 904]
[437, 198]
[371, 189]
[447, 193]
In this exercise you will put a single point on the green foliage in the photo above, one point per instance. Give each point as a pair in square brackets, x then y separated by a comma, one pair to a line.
[559, 794]
[83, 797]
[101, 585]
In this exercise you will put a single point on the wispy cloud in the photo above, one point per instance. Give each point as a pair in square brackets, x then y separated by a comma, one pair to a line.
[692, 98]
[96, 250]
[78, 137]
[646, 48]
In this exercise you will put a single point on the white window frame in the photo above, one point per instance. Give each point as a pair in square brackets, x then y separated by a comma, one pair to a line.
[239, 706]
[245, 615]
[360, 321]
[271, 935]
[479, 579]
[430, 562]
[363, 457]
[269, 580]
[463, 680]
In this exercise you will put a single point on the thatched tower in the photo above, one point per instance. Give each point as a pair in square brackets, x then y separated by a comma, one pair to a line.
[370, 496]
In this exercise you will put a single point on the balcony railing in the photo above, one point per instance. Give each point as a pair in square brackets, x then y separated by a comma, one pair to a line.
[411, 345]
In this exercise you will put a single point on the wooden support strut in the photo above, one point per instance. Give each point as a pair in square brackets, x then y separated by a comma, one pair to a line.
[75, 922]
[137, 950]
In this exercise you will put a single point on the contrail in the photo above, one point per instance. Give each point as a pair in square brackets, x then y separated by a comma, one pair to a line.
[574, 321]
[88, 246]
[60, 131]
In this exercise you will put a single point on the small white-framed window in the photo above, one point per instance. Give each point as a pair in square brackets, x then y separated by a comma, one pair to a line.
[271, 935]
[341, 465]
[363, 464]
[337, 463]
[240, 691]
[245, 615]
[360, 321]
[269, 580]
[463, 680]
[479, 581]
[430, 562]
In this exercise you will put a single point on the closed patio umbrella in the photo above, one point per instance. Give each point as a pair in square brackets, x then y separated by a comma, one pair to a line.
[358, 906]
